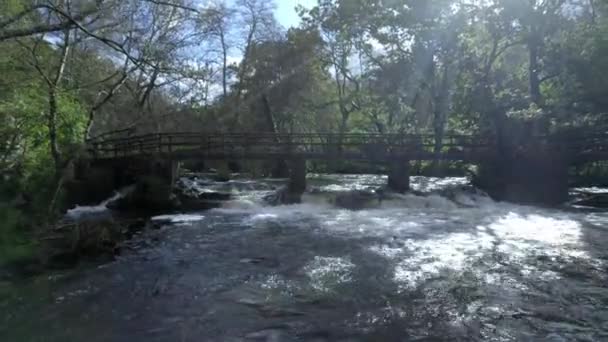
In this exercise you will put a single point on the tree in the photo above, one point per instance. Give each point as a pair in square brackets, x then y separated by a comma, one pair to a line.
[217, 21]
[257, 20]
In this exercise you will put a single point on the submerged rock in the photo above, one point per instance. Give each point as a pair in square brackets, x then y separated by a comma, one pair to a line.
[595, 200]
[214, 196]
[283, 196]
[191, 196]
[358, 200]
[193, 204]
[65, 244]
[464, 195]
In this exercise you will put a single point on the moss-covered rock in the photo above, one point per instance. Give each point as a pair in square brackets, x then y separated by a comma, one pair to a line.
[64, 245]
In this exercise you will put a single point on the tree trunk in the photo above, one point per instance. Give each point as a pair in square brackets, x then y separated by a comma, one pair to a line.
[111, 92]
[52, 127]
[439, 121]
[342, 130]
[224, 64]
[241, 76]
[53, 106]
[488, 105]
[533, 69]
[279, 167]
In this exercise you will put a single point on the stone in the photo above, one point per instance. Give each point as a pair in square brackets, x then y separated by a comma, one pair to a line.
[283, 196]
[357, 200]
[193, 204]
[214, 196]
[596, 201]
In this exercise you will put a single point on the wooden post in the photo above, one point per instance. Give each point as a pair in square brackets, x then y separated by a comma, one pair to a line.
[399, 175]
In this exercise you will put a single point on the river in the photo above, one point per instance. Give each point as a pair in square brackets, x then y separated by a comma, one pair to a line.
[411, 268]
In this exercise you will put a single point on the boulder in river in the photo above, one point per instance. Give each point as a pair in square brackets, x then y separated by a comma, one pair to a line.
[65, 244]
[193, 204]
[358, 200]
[595, 200]
[214, 196]
[192, 199]
[283, 196]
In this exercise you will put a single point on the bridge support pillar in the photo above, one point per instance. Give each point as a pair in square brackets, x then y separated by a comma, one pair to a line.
[279, 169]
[534, 178]
[399, 175]
[297, 176]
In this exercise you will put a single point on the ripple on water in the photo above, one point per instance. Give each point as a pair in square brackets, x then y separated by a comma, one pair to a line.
[418, 267]
[326, 274]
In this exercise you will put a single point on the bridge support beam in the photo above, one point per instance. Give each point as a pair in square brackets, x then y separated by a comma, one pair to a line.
[297, 176]
[279, 169]
[534, 178]
[399, 175]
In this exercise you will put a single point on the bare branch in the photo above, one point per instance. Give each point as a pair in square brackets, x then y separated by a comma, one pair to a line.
[175, 5]
[41, 28]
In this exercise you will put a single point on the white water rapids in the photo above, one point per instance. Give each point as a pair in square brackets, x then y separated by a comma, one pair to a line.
[446, 264]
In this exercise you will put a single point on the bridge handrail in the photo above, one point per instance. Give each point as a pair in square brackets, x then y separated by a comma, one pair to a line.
[370, 143]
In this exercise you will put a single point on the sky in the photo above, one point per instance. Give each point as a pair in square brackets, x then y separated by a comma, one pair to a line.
[286, 14]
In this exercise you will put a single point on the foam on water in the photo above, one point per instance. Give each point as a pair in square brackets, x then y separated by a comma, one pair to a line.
[94, 210]
[591, 190]
[178, 218]
[430, 184]
[445, 263]
[418, 202]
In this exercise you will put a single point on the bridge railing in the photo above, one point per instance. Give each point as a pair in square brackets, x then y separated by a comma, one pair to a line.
[269, 143]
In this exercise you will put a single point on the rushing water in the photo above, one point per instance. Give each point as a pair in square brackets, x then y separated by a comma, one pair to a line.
[410, 268]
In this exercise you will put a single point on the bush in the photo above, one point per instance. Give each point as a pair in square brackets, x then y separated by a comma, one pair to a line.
[16, 242]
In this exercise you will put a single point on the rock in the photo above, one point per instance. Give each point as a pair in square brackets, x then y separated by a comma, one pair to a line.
[358, 200]
[222, 174]
[463, 195]
[134, 228]
[595, 200]
[283, 196]
[193, 204]
[64, 245]
[214, 196]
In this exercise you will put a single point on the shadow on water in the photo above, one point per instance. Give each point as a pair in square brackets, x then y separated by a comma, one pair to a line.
[270, 280]
[504, 273]
[211, 282]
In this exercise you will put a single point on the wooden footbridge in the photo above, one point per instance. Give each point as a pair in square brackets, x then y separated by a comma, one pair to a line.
[535, 166]
[323, 146]
[328, 146]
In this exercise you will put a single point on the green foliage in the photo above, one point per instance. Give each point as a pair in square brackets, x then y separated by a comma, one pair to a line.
[16, 242]
[498, 67]
[27, 169]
